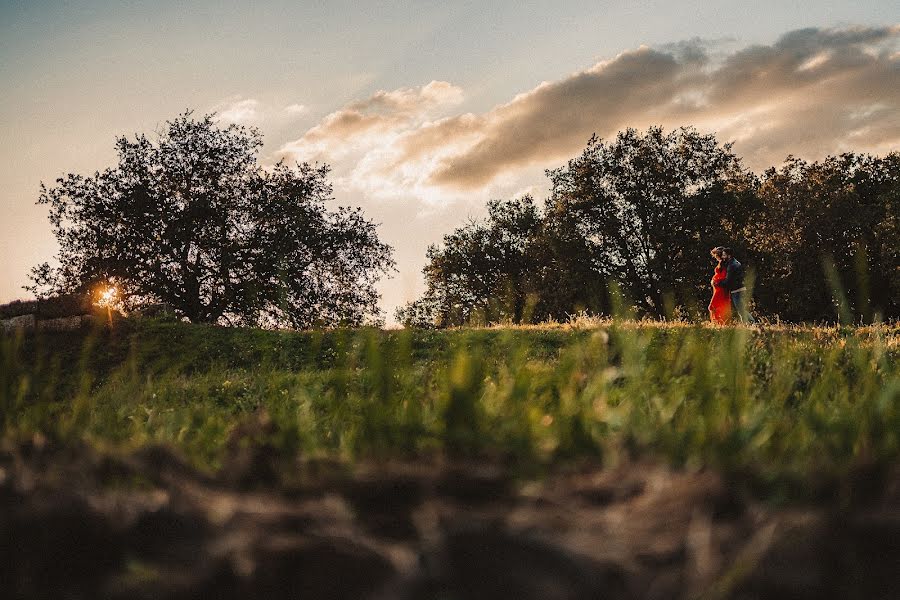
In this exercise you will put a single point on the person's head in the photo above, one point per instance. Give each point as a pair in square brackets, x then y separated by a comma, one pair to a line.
[727, 254]
[717, 253]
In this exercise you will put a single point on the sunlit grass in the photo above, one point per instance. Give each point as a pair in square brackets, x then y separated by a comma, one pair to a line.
[776, 403]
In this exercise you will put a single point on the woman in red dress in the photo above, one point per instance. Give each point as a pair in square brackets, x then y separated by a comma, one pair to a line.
[720, 305]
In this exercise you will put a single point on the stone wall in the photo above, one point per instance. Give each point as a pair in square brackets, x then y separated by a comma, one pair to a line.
[64, 323]
[21, 322]
[31, 322]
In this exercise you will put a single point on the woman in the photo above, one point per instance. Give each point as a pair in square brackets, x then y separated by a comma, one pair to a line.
[720, 305]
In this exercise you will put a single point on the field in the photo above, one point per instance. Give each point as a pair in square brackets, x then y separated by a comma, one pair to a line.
[601, 451]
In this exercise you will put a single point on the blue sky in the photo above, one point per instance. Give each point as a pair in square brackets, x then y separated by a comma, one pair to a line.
[76, 75]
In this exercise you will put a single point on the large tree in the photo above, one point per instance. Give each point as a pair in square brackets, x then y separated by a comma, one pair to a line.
[641, 211]
[193, 220]
[483, 271]
[828, 233]
[518, 264]
[652, 204]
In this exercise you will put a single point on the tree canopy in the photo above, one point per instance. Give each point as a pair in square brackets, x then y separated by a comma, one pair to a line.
[649, 204]
[634, 218]
[192, 220]
[826, 238]
[519, 264]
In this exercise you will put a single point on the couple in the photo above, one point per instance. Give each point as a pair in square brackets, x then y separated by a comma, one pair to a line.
[728, 288]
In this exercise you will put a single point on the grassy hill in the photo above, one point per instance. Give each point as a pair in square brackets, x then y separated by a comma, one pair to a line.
[617, 460]
[790, 408]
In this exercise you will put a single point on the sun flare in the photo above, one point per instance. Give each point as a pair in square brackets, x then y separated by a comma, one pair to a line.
[107, 297]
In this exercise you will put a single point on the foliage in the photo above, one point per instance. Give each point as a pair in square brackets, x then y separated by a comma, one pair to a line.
[845, 210]
[632, 220]
[517, 265]
[484, 271]
[650, 204]
[192, 220]
[785, 407]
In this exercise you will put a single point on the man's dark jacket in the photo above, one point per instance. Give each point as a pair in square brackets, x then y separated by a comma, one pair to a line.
[734, 276]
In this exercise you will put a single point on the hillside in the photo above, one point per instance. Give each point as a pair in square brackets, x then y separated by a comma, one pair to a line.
[610, 459]
[789, 399]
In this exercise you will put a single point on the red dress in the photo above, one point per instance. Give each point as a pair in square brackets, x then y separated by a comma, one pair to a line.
[720, 305]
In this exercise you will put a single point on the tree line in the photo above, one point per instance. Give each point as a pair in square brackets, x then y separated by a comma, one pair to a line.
[192, 220]
[629, 223]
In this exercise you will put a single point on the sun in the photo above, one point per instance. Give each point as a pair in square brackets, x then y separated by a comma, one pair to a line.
[107, 297]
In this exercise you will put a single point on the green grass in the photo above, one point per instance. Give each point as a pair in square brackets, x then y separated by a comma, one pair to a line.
[785, 406]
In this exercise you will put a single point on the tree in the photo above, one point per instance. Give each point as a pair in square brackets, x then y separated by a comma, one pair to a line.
[194, 221]
[482, 272]
[826, 225]
[652, 205]
[642, 211]
[517, 265]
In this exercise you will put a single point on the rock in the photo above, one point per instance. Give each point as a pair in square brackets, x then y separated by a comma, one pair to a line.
[64, 323]
[76, 523]
[842, 556]
[475, 484]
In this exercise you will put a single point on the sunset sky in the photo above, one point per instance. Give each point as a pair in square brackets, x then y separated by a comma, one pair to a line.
[428, 109]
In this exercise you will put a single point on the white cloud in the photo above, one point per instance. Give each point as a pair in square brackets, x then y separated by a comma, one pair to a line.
[296, 109]
[239, 111]
[364, 128]
[813, 92]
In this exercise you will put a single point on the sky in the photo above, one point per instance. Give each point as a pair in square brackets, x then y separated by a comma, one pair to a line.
[426, 110]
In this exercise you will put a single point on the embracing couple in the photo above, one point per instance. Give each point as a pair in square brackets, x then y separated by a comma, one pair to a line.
[729, 293]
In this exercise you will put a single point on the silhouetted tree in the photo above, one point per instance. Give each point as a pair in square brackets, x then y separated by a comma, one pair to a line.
[651, 205]
[484, 271]
[572, 276]
[519, 265]
[826, 230]
[194, 221]
[642, 211]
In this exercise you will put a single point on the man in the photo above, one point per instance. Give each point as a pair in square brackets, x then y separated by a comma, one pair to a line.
[734, 283]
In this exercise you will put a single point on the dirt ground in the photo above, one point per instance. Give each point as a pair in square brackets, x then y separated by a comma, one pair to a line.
[77, 523]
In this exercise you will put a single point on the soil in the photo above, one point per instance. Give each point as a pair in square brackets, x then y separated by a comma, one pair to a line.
[78, 523]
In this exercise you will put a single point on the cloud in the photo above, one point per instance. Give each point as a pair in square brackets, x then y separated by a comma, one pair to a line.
[250, 110]
[363, 125]
[296, 109]
[410, 101]
[811, 93]
[239, 111]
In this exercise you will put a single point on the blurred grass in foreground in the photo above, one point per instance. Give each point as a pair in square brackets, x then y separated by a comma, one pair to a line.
[784, 404]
